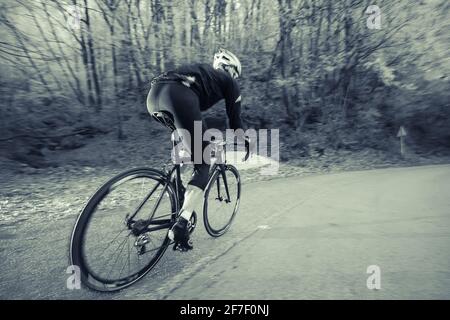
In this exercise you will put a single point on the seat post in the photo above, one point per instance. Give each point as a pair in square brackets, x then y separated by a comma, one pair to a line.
[176, 155]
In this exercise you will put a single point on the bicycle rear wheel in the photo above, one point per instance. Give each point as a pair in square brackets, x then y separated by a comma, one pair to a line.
[221, 202]
[111, 252]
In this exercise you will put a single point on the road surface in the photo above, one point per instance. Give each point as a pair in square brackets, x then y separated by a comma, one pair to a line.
[294, 238]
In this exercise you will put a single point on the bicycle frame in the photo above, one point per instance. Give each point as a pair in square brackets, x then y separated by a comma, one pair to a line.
[174, 177]
[158, 224]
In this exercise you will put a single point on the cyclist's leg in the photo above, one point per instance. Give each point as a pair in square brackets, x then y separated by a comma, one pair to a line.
[186, 110]
[193, 193]
[184, 105]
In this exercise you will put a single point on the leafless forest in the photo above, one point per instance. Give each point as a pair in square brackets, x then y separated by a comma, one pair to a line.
[321, 71]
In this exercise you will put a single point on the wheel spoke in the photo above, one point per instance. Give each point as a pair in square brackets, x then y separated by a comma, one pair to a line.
[109, 243]
[122, 245]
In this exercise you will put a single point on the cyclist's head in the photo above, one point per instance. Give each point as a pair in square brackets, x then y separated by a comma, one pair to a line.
[228, 61]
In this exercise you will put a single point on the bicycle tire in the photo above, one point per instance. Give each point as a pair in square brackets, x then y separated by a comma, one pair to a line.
[215, 177]
[77, 258]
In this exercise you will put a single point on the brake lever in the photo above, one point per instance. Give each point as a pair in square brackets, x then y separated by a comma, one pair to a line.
[247, 149]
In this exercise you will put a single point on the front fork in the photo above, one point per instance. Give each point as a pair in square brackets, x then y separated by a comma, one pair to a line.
[224, 177]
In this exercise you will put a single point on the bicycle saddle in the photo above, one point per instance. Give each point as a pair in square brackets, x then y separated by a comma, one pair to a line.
[165, 118]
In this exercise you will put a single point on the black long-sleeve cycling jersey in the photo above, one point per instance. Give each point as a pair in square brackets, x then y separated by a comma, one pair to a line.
[212, 85]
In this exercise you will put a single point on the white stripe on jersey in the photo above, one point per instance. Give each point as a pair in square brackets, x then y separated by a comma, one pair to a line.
[238, 99]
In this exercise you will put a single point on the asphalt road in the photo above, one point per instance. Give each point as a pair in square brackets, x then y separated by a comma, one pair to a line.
[294, 238]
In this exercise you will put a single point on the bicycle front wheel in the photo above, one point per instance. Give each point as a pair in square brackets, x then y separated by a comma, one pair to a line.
[221, 202]
[107, 245]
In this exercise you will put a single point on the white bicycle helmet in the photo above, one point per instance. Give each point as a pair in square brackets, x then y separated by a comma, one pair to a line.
[224, 58]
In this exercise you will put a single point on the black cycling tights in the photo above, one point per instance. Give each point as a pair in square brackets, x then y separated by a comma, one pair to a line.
[184, 105]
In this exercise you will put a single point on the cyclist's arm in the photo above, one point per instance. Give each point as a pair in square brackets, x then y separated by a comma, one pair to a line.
[233, 105]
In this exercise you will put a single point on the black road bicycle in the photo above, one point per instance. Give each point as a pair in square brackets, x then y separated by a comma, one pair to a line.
[122, 232]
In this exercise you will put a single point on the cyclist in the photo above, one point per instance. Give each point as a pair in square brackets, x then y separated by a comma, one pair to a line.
[177, 98]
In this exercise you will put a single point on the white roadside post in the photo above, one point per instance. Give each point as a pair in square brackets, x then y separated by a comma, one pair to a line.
[402, 134]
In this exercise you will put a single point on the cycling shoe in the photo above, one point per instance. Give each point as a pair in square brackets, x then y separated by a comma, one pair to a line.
[179, 233]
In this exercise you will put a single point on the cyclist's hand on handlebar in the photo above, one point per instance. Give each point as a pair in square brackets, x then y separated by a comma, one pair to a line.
[250, 147]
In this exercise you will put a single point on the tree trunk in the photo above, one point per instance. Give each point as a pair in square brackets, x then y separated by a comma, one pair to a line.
[92, 60]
